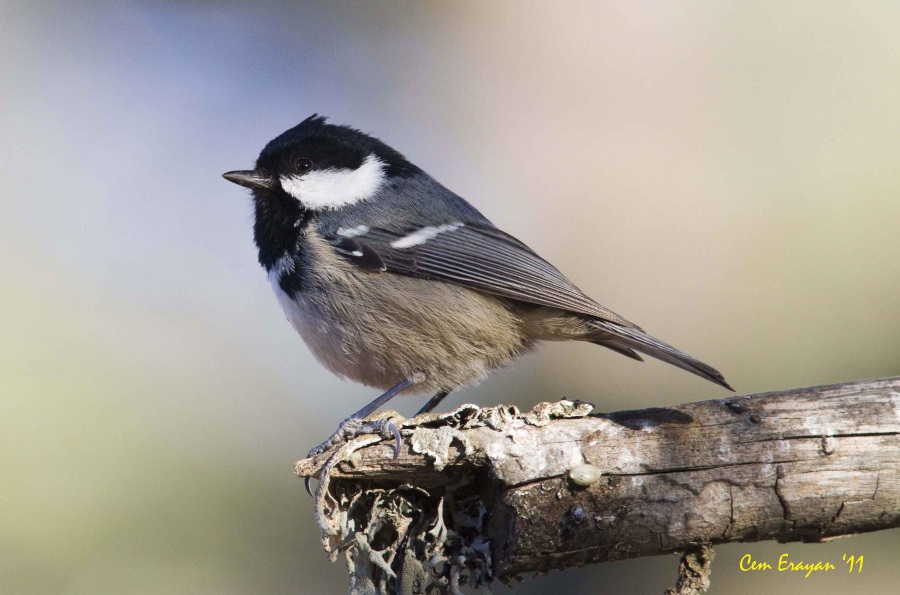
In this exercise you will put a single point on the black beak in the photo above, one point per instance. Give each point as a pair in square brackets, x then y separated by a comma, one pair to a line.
[250, 179]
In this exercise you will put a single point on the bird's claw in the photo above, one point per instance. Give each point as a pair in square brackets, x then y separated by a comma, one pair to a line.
[387, 429]
[382, 425]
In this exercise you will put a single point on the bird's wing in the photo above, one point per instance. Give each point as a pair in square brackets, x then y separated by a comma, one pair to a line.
[488, 260]
[478, 257]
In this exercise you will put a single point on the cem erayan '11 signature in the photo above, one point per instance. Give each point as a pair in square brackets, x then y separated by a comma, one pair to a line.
[748, 564]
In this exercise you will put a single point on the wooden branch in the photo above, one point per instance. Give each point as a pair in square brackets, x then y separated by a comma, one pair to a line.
[483, 494]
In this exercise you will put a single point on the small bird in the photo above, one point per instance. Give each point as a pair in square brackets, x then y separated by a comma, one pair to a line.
[396, 282]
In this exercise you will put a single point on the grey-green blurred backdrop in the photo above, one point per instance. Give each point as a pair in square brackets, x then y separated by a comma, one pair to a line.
[726, 174]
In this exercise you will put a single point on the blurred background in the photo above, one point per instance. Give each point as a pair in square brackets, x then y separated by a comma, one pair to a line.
[725, 174]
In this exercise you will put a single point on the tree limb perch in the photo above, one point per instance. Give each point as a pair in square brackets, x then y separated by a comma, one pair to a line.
[483, 494]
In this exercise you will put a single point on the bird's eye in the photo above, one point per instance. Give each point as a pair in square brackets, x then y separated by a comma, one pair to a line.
[303, 165]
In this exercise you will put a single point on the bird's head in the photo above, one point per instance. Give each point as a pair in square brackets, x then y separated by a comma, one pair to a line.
[316, 166]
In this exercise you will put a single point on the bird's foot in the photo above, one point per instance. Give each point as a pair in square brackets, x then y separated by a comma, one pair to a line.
[381, 423]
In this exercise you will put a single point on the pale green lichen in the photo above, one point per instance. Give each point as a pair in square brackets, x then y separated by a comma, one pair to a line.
[415, 540]
[542, 413]
[435, 443]
[407, 541]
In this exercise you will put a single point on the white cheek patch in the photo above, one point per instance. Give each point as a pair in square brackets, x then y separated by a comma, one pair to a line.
[421, 236]
[335, 188]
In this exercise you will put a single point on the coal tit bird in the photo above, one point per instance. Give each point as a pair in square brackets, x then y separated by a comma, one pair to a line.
[396, 282]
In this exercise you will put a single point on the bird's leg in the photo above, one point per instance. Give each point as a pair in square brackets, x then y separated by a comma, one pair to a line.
[433, 402]
[350, 427]
[387, 396]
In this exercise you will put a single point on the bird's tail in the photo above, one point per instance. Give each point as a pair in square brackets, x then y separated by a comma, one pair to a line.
[627, 340]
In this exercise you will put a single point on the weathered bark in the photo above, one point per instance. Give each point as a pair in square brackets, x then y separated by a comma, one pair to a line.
[479, 494]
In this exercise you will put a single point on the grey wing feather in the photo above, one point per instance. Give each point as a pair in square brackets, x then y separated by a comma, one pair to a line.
[488, 260]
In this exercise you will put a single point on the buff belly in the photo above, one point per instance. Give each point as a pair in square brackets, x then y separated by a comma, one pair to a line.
[380, 328]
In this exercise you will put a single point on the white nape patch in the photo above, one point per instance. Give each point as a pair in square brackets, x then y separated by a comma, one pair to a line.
[334, 188]
[423, 235]
[359, 230]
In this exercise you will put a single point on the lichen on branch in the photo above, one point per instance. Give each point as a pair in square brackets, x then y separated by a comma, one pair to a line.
[477, 495]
